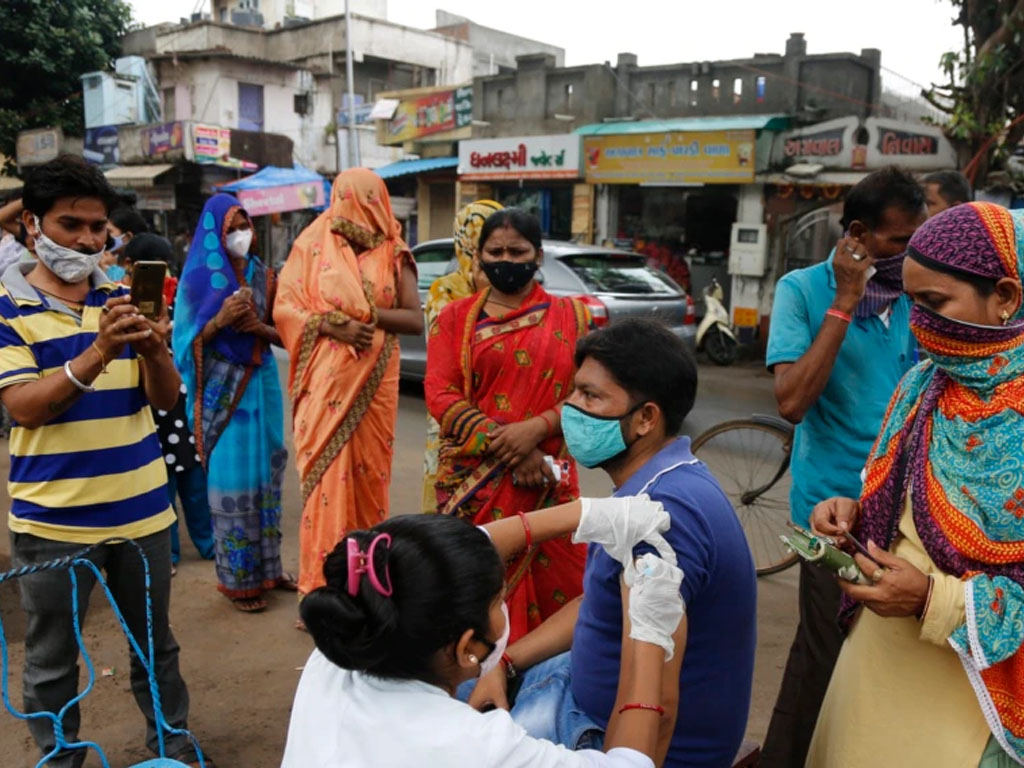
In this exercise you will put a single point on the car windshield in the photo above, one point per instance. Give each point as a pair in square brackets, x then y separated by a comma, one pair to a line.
[431, 264]
[619, 273]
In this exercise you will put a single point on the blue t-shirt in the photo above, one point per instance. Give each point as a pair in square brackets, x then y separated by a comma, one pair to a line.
[834, 439]
[720, 593]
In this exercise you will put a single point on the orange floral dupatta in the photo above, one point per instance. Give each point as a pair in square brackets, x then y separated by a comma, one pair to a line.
[344, 402]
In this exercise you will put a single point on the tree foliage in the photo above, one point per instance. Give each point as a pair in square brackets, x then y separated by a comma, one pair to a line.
[984, 94]
[45, 48]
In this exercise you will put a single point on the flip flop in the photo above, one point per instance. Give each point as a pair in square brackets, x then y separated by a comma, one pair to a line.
[286, 583]
[249, 604]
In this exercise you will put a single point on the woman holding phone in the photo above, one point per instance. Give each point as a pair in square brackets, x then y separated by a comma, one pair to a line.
[222, 336]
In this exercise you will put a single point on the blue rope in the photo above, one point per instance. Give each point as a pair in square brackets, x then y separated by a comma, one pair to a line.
[147, 660]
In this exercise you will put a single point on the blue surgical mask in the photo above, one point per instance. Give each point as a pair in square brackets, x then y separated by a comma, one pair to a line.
[594, 440]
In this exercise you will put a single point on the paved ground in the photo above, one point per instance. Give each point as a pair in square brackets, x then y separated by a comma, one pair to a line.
[242, 669]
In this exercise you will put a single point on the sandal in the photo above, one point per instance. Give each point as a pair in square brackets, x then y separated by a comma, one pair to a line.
[286, 583]
[249, 604]
[191, 759]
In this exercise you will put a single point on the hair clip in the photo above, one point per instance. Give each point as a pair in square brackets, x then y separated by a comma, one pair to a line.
[362, 562]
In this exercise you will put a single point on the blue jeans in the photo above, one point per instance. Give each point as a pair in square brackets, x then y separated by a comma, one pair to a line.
[191, 486]
[546, 708]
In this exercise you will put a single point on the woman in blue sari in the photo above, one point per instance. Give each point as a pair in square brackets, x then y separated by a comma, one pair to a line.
[222, 338]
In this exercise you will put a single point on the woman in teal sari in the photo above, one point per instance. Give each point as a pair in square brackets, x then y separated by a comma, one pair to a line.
[222, 338]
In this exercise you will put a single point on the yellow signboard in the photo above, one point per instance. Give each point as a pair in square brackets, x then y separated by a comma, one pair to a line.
[704, 157]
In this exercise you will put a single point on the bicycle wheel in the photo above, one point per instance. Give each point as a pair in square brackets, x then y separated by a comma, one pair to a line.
[750, 459]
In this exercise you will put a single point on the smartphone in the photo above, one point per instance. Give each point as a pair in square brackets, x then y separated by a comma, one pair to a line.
[823, 552]
[148, 287]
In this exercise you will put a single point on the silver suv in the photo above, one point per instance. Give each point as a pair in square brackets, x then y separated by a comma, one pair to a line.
[613, 284]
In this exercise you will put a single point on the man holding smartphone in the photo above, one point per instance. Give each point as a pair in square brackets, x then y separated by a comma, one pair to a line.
[79, 367]
[839, 343]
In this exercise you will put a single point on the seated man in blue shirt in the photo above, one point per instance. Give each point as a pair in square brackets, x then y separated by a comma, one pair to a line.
[635, 383]
[839, 343]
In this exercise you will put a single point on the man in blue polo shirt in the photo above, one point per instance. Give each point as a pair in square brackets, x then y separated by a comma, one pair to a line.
[839, 343]
[634, 385]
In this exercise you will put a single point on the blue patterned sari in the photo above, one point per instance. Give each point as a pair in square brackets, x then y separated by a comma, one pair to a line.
[234, 408]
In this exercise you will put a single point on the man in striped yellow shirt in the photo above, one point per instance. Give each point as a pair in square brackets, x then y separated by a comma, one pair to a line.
[78, 369]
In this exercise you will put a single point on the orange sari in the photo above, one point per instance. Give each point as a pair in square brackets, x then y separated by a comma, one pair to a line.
[344, 402]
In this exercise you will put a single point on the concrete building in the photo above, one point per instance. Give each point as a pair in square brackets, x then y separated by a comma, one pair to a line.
[272, 14]
[494, 51]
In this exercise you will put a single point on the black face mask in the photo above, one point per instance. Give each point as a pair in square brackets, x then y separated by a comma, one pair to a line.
[509, 277]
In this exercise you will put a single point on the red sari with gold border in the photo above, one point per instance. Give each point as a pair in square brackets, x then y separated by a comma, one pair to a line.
[484, 372]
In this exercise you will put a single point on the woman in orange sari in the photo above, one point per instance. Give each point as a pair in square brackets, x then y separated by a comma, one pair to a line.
[499, 364]
[347, 289]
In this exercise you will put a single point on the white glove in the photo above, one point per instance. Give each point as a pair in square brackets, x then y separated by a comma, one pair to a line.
[620, 523]
[655, 605]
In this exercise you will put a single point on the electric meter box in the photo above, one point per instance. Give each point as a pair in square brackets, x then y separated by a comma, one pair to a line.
[748, 249]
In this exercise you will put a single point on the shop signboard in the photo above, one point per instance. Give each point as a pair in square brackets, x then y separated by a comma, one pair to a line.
[291, 197]
[676, 157]
[431, 113]
[828, 144]
[526, 157]
[155, 198]
[101, 145]
[38, 146]
[909, 145]
[211, 144]
[162, 138]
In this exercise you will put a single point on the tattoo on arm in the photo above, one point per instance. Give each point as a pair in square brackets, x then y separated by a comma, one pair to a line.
[59, 406]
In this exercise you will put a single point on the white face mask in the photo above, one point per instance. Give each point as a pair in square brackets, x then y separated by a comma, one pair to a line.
[69, 265]
[238, 242]
[494, 657]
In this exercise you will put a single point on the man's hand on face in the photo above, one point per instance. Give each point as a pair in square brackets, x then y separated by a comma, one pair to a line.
[852, 266]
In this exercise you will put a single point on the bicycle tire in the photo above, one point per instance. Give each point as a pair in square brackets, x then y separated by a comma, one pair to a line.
[784, 437]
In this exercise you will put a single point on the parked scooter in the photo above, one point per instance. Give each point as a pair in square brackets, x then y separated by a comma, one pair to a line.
[714, 334]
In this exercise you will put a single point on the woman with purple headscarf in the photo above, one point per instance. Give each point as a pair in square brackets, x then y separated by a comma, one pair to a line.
[932, 673]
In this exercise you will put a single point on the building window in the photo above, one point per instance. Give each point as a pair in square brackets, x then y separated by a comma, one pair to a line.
[737, 90]
[716, 90]
[250, 107]
[170, 108]
[568, 98]
[694, 92]
[301, 104]
[652, 93]
[760, 86]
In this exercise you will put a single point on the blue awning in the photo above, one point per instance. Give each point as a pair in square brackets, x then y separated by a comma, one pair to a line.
[730, 123]
[272, 176]
[407, 167]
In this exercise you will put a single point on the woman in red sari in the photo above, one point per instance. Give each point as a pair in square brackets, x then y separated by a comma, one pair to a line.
[499, 365]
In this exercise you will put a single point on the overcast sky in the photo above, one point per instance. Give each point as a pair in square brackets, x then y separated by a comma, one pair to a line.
[912, 34]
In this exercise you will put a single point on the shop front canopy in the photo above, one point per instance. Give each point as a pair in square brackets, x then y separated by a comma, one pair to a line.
[423, 165]
[136, 175]
[278, 190]
[687, 124]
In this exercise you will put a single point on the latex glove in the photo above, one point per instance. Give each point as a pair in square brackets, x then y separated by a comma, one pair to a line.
[655, 605]
[620, 523]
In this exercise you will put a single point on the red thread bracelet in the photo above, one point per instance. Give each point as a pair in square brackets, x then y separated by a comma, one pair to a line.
[510, 668]
[526, 530]
[649, 707]
[839, 314]
[548, 424]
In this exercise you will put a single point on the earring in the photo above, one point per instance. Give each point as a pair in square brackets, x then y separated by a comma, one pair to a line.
[1005, 316]
[473, 659]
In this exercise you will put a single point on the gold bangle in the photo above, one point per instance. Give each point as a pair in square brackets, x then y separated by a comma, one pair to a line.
[103, 361]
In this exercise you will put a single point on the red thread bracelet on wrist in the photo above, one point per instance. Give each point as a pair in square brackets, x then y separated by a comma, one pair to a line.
[649, 707]
[548, 424]
[510, 668]
[839, 314]
[526, 530]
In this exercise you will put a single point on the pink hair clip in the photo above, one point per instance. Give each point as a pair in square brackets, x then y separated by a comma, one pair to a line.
[362, 562]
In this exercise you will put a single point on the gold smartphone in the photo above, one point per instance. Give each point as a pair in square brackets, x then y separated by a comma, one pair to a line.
[148, 287]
